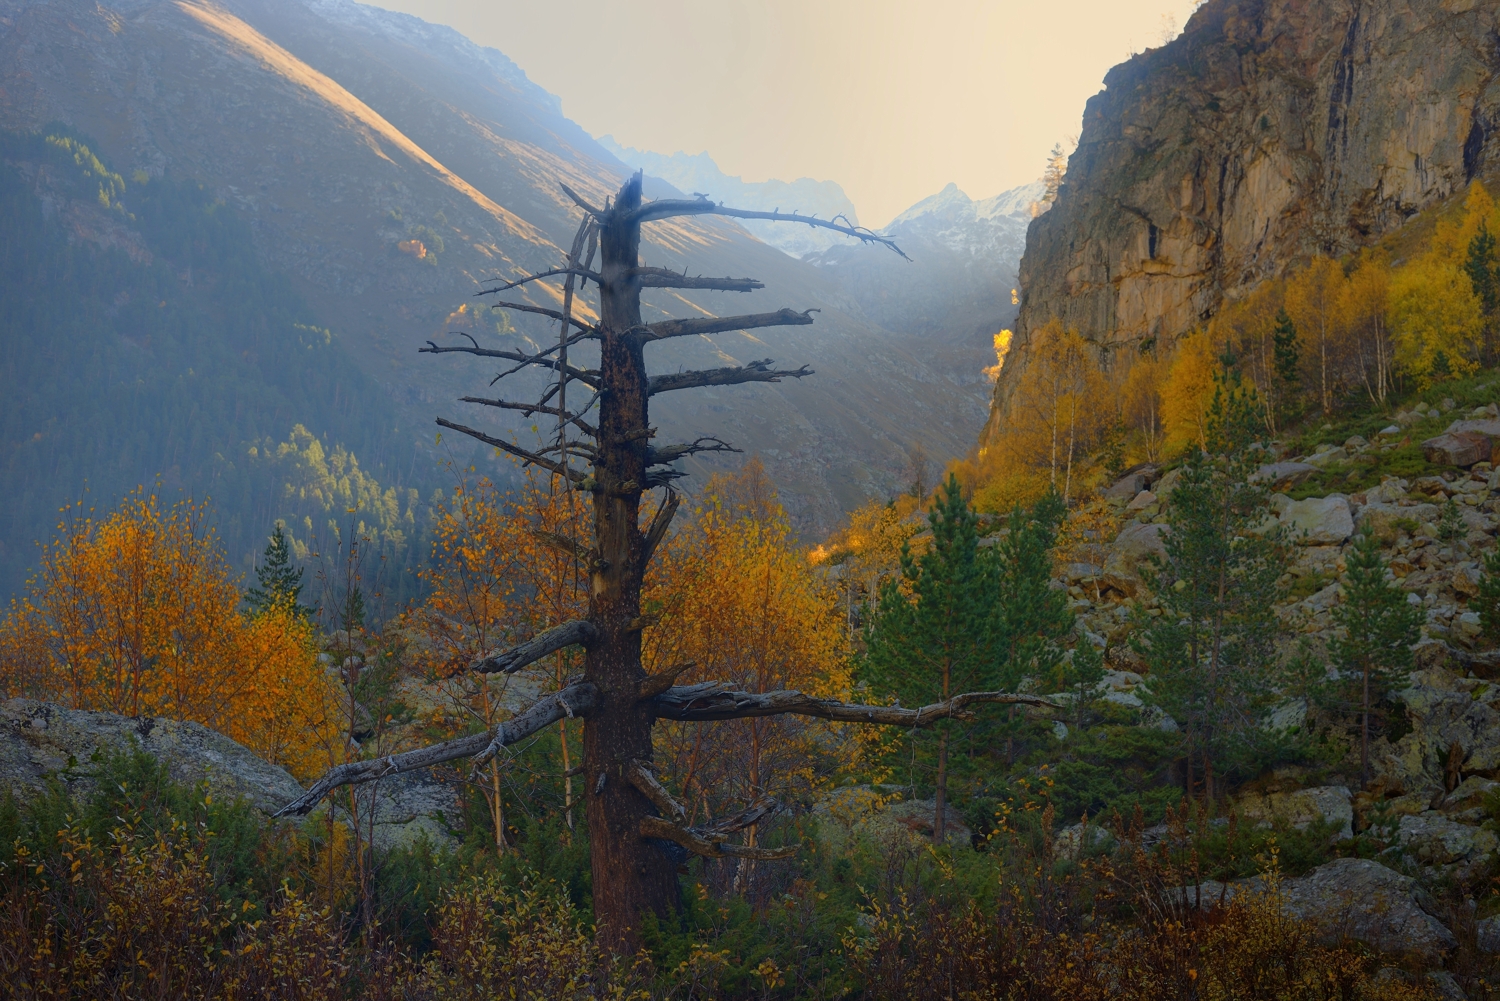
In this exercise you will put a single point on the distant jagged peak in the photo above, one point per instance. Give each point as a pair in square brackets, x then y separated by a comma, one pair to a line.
[952, 205]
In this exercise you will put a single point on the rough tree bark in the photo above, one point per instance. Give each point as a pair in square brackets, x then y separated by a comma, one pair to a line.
[637, 832]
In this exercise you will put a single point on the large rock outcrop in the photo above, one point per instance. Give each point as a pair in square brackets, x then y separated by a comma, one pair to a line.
[1269, 131]
[42, 740]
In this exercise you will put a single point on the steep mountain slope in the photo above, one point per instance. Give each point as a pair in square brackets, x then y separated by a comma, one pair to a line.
[388, 166]
[1269, 131]
[701, 174]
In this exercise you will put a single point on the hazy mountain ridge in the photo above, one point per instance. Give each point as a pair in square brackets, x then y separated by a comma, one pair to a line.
[342, 133]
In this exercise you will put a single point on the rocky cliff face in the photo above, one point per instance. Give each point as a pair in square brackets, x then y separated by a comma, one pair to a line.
[1269, 131]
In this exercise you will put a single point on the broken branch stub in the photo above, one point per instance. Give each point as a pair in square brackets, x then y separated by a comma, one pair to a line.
[579, 631]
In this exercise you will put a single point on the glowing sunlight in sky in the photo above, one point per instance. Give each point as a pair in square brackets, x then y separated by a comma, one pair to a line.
[890, 99]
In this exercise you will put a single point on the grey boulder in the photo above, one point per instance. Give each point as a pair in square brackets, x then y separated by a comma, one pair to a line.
[1352, 898]
[42, 738]
[1319, 521]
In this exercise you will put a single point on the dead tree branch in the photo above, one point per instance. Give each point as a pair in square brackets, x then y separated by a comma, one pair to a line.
[527, 409]
[643, 778]
[654, 684]
[566, 546]
[531, 458]
[711, 700]
[665, 278]
[524, 307]
[596, 213]
[666, 208]
[506, 286]
[756, 371]
[668, 454]
[659, 524]
[724, 324]
[579, 631]
[586, 376]
[699, 842]
[575, 700]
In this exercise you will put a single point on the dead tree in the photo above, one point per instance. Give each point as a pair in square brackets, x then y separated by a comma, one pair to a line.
[637, 830]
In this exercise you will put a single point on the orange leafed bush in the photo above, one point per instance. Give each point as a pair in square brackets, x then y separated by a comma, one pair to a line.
[139, 614]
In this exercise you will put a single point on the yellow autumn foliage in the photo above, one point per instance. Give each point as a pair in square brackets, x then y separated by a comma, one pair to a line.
[139, 614]
[1188, 392]
[743, 605]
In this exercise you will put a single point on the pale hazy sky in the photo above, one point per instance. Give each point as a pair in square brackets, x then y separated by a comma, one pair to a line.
[890, 99]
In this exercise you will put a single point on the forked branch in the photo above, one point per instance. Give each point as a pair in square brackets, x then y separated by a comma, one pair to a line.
[756, 371]
[709, 844]
[574, 700]
[724, 324]
[710, 700]
[660, 522]
[664, 455]
[579, 631]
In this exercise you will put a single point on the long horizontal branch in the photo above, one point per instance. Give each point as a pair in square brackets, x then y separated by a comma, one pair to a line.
[756, 371]
[525, 307]
[579, 631]
[531, 457]
[506, 285]
[663, 278]
[711, 700]
[527, 409]
[666, 208]
[588, 377]
[724, 324]
[574, 700]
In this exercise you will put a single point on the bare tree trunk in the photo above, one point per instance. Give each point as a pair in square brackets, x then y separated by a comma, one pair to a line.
[630, 874]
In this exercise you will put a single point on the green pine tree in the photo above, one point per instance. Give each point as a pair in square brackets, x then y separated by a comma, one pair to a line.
[280, 584]
[1451, 528]
[1030, 615]
[1286, 356]
[1379, 626]
[1211, 650]
[1487, 601]
[1481, 266]
[970, 618]
[933, 635]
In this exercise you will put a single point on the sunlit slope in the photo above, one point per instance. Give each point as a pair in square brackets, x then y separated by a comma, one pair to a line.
[390, 166]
